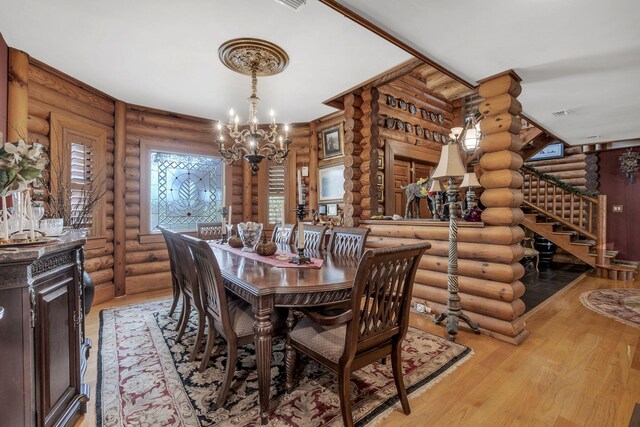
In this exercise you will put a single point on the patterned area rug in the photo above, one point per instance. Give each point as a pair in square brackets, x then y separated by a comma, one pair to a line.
[146, 379]
[622, 305]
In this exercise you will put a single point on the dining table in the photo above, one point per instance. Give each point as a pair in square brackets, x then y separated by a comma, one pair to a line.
[267, 286]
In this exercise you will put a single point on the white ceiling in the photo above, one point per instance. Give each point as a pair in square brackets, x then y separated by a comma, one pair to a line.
[578, 55]
[164, 54]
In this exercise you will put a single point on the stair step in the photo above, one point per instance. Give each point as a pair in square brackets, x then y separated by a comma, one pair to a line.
[582, 243]
[607, 254]
[568, 233]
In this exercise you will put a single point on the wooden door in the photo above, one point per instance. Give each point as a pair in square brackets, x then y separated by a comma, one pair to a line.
[57, 353]
[401, 178]
[422, 170]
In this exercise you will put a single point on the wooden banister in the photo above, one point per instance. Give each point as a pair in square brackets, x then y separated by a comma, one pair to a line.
[569, 207]
[601, 239]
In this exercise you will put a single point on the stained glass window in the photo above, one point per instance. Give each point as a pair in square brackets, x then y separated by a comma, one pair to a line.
[185, 190]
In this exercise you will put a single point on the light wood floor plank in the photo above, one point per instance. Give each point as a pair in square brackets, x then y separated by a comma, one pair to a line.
[577, 368]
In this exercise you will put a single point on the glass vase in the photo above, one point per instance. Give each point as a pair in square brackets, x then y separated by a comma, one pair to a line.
[249, 233]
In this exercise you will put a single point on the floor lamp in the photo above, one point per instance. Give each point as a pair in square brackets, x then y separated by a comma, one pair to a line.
[450, 168]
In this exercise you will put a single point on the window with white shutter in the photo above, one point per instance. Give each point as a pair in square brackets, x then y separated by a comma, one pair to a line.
[78, 160]
[276, 193]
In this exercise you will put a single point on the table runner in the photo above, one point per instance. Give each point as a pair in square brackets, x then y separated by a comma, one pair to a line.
[271, 260]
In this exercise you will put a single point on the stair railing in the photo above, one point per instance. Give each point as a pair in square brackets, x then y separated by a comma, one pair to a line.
[576, 209]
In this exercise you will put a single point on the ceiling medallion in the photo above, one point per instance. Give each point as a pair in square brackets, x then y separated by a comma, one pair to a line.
[252, 141]
[246, 55]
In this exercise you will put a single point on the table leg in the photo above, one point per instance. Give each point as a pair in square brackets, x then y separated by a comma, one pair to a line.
[263, 331]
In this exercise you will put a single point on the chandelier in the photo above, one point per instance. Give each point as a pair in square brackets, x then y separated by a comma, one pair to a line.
[252, 141]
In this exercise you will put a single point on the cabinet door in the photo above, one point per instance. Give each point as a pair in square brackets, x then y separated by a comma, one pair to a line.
[57, 346]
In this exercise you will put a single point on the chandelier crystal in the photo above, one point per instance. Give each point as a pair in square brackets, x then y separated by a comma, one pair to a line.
[253, 142]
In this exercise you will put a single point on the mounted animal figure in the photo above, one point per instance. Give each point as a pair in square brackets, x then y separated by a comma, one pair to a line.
[416, 191]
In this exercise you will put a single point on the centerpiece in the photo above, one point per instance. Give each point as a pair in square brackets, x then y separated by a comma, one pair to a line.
[21, 165]
[249, 233]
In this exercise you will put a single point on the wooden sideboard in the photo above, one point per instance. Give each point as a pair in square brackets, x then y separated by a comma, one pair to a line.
[43, 350]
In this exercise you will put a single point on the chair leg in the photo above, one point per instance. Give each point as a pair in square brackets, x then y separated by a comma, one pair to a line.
[344, 377]
[230, 369]
[537, 262]
[396, 364]
[211, 338]
[198, 343]
[290, 357]
[186, 313]
[176, 297]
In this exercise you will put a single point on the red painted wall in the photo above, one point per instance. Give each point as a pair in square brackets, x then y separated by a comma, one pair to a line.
[623, 229]
[4, 72]
[4, 87]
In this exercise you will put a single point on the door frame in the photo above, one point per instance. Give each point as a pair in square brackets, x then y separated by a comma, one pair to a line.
[393, 148]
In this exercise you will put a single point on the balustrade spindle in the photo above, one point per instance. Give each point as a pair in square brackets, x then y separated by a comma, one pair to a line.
[571, 209]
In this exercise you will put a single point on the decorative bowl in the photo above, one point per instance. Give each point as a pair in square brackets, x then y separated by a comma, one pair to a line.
[249, 233]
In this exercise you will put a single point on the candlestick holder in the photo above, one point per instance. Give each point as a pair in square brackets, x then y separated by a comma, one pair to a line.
[300, 258]
[224, 239]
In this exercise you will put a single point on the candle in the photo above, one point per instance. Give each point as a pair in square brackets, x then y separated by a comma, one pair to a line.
[5, 219]
[229, 210]
[299, 187]
[224, 224]
[273, 117]
[32, 233]
[283, 220]
[300, 235]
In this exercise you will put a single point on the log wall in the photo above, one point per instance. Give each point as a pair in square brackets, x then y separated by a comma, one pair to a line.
[50, 91]
[489, 271]
[147, 265]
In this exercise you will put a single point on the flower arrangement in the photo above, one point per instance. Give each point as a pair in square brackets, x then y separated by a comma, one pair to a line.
[20, 165]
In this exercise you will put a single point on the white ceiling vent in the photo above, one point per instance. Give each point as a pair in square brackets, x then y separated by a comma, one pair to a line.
[293, 4]
[560, 113]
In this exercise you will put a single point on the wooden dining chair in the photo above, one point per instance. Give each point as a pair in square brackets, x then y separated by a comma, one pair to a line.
[189, 288]
[348, 241]
[228, 316]
[175, 285]
[209, 230]
[283, 235]
[313, 237]
[373, 327]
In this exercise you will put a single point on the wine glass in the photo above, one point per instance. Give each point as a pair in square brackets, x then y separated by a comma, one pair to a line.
[38, 213]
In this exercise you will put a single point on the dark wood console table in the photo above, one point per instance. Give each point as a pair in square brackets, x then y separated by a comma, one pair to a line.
[43, 350]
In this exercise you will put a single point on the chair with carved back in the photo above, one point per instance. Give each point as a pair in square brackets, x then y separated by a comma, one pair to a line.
[283, 235]
[227, 315]
[313, 236]
[372, 327]
[348, 241]
[209, 230]
[188, 285]
[175, 284]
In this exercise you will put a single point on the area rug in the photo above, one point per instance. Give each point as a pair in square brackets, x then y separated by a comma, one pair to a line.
[622, 305]
[145, 378]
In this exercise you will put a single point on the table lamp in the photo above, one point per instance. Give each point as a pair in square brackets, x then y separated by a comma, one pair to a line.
[472, 212]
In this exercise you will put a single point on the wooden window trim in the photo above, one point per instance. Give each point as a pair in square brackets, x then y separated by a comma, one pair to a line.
[61, 125]
[145, 235]
[400, 149]
[263, 193]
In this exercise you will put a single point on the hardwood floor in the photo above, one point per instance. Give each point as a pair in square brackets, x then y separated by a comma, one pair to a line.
[578, 368]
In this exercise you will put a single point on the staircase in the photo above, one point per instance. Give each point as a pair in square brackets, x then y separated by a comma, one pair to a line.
[574, 220]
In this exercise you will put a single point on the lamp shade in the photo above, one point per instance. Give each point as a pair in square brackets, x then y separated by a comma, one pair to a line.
[450, 164]
[435, 186]
[470, 180]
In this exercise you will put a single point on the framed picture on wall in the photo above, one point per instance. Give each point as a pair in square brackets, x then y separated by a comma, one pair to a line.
[551, 151]
[333, 142]
[331, 183]
[332, 209]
